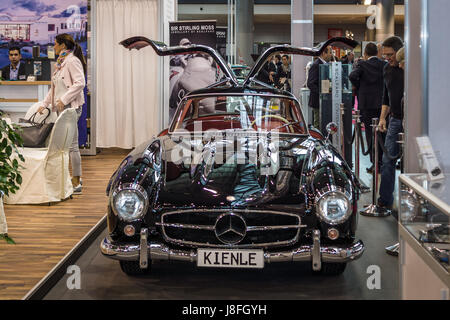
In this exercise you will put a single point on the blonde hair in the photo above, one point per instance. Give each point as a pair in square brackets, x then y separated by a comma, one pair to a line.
[400, 56]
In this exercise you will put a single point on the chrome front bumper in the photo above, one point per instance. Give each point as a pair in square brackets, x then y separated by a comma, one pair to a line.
[160, 251]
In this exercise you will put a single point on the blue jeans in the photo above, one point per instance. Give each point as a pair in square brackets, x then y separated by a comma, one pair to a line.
[387, 183]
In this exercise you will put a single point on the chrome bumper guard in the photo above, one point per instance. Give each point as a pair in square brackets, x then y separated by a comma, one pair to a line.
[160, 251]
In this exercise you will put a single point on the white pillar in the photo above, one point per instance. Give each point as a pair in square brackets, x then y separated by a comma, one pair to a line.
[386, 27]
[302, 35]
[244, 31]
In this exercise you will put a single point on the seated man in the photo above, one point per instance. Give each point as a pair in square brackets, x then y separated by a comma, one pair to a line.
[15, 70]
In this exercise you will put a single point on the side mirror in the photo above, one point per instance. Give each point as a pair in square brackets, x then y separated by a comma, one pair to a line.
[332, 129]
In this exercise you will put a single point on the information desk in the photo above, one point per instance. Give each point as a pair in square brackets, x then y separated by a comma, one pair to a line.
[424, 216]
[17, 96]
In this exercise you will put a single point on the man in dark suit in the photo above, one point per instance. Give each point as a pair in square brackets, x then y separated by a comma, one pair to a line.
[15, 70]
[266, 74]
[367, 77]
[349, 58]
[313, 84]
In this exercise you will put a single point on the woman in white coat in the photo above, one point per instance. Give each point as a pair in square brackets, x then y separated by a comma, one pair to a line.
[68, 82]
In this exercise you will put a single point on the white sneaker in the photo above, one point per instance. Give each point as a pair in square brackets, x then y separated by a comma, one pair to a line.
[77, 189]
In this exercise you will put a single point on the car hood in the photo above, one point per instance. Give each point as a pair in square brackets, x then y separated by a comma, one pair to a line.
[259, 171]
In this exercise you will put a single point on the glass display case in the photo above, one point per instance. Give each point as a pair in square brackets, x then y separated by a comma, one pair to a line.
[424, 215]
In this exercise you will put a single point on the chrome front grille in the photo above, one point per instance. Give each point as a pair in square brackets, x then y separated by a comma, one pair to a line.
[197, 228]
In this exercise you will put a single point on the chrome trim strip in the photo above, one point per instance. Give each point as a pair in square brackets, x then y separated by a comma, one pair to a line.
[160, 251]
[187, 226]
[264, 228]
[143, 251]
[251, 228]
[315, 252]
[233, 210]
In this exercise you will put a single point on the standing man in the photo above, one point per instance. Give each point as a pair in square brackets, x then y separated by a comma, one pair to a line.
[349, 58]
[368, 79]
[392, 107]
[313, 84]
[15, 70]
[284, 74]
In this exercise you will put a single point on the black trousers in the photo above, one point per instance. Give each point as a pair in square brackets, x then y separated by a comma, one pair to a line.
[366, 117]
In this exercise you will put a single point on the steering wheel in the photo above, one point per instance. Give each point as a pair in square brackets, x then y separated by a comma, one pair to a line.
[276, 117]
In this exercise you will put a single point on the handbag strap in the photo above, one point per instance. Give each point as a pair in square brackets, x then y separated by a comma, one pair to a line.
[34, 116]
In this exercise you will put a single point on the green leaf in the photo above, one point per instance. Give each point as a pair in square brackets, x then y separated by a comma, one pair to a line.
[8, 151]
[7, 238]
[4, 143]
[19, 179]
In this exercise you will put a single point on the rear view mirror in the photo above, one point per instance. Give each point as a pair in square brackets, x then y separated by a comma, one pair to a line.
[332, 129]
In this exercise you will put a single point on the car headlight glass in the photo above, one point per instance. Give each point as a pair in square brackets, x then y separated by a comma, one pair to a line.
[333, 207]
[130, 202]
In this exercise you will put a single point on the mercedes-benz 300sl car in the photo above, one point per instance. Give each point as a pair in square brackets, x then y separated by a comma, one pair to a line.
[238, 180]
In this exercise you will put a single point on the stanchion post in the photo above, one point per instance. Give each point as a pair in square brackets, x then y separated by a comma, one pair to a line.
[401, 141]
[372, 210]
[341, 128]
[375, 161]
[357, 118]
[394, 249]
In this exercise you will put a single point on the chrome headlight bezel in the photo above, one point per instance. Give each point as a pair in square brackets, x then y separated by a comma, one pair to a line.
[140, 191]
[336, 191]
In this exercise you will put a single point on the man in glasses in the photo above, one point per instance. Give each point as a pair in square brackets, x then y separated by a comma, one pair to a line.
[15, 70]
[392, 108]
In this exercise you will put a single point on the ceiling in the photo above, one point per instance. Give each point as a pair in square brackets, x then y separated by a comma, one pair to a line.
[286, 19]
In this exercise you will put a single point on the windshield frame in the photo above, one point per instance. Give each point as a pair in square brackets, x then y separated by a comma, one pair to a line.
[181, 111]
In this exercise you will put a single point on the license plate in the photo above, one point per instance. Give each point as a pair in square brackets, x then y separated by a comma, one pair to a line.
[225, 258]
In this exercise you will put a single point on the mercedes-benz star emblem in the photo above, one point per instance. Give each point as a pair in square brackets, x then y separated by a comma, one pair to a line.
[230, 228]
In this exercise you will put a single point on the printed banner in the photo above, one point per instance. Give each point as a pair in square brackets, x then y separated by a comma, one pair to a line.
[221, 47]
[193, 71]
[36, 23]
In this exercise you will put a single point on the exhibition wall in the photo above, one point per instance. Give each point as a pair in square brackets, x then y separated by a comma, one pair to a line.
[127, 98]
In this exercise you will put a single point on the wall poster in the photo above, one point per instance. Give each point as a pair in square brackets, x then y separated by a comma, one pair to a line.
[28, 23]
[192, 71]
[35, 23]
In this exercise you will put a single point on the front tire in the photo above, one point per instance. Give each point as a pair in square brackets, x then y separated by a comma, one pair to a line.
[132, 268]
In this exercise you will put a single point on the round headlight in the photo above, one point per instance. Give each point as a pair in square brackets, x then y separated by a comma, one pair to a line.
[129, 202]
[333, 207]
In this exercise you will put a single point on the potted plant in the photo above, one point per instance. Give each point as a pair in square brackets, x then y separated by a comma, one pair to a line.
[10, 177]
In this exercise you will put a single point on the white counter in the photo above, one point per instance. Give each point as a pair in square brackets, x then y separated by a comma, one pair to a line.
[17, 96]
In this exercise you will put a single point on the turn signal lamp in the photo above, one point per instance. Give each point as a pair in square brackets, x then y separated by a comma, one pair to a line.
[333, 234]
[129, 230]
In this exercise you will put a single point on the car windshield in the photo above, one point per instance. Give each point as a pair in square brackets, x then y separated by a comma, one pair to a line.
[241, 72]
[247, 112]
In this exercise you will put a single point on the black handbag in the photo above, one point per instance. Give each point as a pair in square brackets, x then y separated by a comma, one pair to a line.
[35, 134]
